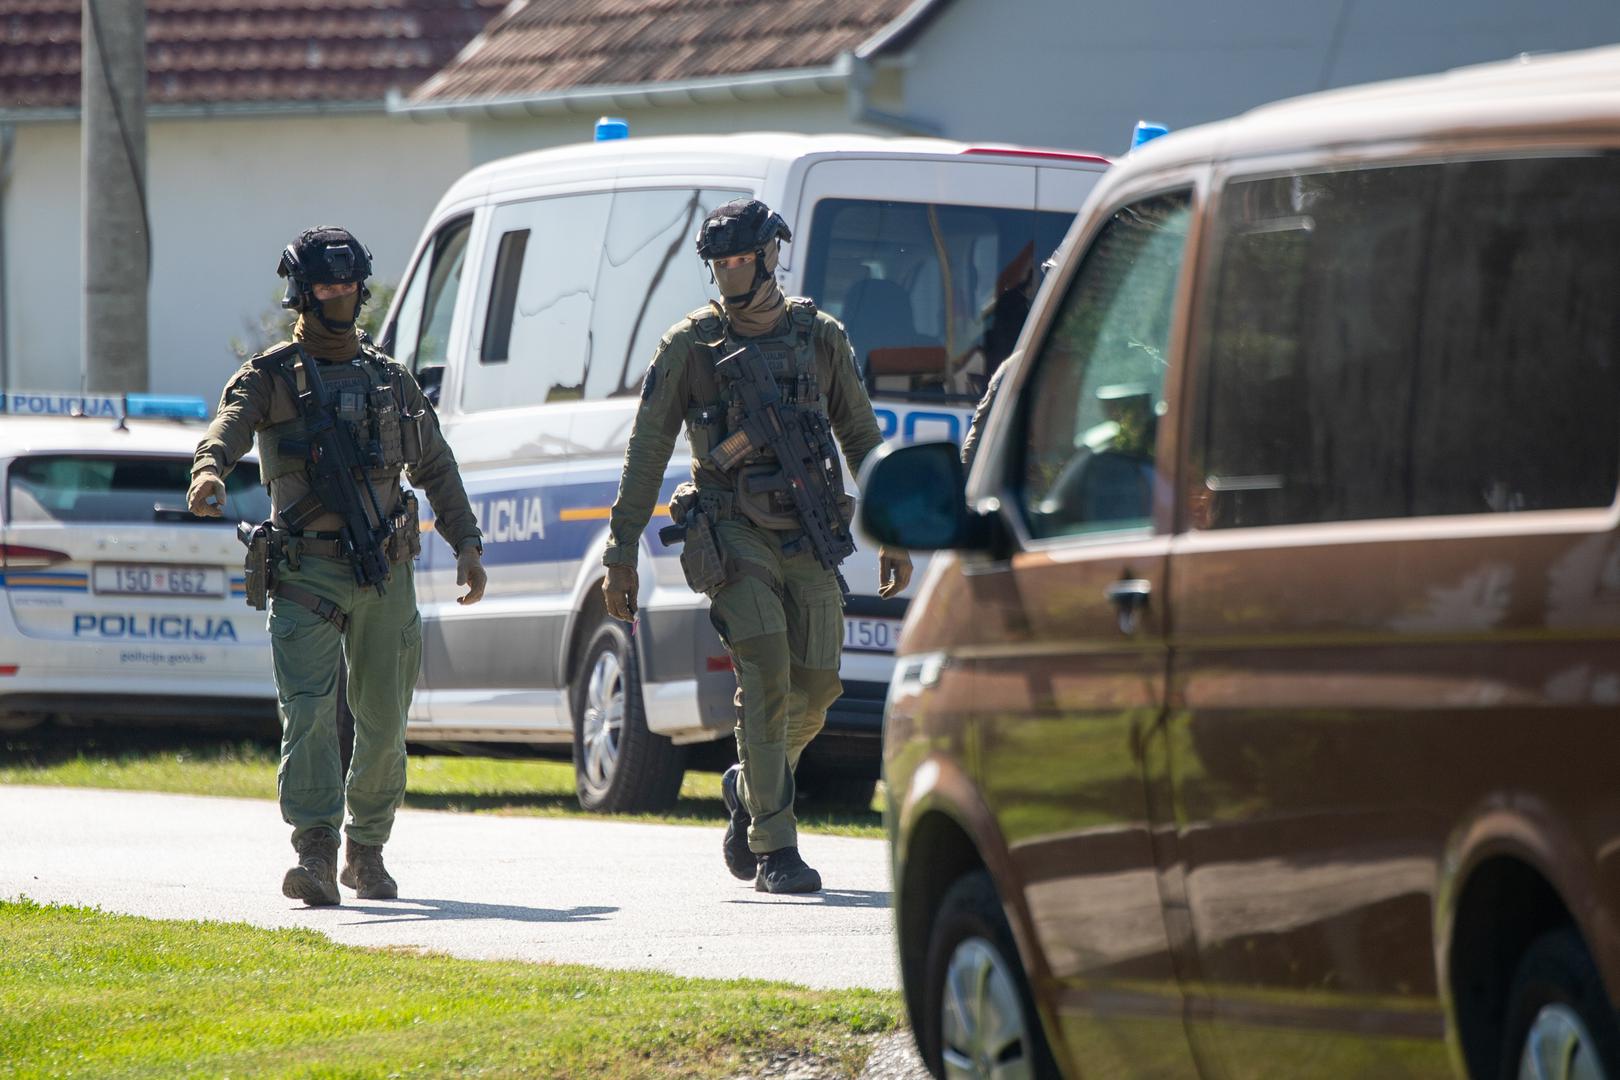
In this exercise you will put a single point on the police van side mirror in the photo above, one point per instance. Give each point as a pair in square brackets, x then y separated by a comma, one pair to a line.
[431, 379]
[912, 497]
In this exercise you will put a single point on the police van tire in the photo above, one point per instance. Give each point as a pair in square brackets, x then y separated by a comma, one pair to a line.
[620, 767]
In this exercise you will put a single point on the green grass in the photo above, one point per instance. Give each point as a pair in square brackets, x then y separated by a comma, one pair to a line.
[247, 769]
[84, 993]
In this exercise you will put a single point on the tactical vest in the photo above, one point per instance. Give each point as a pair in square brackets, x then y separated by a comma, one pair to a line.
[717, 410]
[363, 395]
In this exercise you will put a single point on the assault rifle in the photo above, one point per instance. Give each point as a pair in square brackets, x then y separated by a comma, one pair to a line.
[802, 442]
[337, 475]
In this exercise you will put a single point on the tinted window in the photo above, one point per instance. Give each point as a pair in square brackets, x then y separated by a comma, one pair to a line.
[420, 334]
[1518, 402]
[1097, 391]
[938, 292]
[503, 298]
[60, 487]
[1412, 341]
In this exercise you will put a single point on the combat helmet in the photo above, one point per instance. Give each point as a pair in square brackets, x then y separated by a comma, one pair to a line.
[324, 255]
[738, 227]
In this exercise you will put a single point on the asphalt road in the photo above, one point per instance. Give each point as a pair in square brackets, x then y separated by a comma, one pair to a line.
[604, 893]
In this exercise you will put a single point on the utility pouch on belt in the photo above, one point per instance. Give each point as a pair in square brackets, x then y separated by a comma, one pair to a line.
[406, 542]
[701, 559]
[260, 565]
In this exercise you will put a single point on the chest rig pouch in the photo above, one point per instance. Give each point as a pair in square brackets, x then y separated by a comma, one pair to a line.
[791, 359]
[365, 398]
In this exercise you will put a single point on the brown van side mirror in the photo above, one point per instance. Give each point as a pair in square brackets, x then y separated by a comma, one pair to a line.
[912, 497]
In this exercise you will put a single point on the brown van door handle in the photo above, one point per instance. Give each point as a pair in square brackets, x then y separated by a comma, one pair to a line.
[1130, 596]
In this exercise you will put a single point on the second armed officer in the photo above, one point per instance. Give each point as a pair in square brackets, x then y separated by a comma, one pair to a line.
[337, 423]
[762, 383]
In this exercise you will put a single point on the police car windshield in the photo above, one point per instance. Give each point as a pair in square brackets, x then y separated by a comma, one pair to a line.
[933, 296]
[129, 490]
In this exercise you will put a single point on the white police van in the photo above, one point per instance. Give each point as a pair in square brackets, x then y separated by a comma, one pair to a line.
[119, 604]
[533, 305]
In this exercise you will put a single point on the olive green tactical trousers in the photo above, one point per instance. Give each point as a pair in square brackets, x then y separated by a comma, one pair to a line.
[785, 635]
[383, 649]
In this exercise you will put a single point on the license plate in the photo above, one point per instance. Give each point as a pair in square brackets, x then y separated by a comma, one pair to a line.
[871, 635]
[140, 579]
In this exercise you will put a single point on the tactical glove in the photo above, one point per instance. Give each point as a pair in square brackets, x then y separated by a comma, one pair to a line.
[470, 572]
[206, 486]
[619, 590]
[894, 571]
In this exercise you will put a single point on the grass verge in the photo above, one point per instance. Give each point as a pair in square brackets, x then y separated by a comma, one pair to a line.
[199, 765]
[84, 993]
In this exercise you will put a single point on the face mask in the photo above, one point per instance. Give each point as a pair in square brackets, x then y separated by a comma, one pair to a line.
[340, 310]
[735, 283]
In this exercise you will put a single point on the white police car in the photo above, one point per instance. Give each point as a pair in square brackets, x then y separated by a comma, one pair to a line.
[119, 605]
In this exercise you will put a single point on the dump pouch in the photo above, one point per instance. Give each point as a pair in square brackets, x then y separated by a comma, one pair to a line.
[259, 566]
[405, 544]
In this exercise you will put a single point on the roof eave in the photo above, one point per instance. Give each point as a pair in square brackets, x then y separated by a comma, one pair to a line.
[752, 86]
[205, 110]
[899, 35]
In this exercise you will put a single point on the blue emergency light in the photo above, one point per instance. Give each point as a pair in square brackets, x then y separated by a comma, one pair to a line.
[609, 128]
[1146, 131]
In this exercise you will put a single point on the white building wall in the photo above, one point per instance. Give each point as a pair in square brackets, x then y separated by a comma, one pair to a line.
[1080, 73]
[225, 197]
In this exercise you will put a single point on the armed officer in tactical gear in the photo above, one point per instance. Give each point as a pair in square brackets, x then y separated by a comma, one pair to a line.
[762, 383]
[337, 423]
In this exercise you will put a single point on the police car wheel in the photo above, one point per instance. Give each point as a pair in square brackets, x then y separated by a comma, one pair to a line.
[619, 766]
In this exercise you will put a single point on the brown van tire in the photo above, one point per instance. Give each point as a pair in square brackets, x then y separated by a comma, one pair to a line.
[1557, 973]
[633, 771]
[971, 912]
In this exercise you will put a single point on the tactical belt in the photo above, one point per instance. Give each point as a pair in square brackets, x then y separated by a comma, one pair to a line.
[327, 545]
[318, 604]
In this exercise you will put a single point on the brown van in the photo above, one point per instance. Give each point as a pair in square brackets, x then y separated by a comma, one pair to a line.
[1263, 719]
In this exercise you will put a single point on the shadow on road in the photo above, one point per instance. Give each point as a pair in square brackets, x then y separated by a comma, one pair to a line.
[412, 909]
[856, 898]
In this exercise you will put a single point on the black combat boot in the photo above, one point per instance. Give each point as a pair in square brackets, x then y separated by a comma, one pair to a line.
[739, 860]
[782, 871]
[314, 879]
[364, 872]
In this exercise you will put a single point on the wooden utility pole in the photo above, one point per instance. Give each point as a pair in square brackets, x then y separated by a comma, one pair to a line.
[117, 241]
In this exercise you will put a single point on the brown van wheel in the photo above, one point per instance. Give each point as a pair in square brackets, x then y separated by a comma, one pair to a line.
[972, 960]
[1560, 1025]
[619, 766]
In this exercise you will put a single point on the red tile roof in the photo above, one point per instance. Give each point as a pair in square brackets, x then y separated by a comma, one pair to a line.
[244, 51]
[546, 45]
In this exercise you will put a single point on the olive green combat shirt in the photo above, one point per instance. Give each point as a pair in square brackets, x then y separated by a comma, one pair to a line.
[667, 395]
[256, 397]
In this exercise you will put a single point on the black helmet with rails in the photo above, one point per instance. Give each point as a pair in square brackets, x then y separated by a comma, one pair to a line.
[324, 255]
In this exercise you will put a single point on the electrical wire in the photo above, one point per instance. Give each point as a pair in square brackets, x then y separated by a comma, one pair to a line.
[137, 175]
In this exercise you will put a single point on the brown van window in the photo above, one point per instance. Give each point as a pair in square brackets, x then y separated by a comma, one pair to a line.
[1418, 340]
[1097, 390]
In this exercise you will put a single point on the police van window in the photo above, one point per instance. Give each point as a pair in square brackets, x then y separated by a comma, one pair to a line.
[545, 287]
[1093, 407]
[420, 334]
[649, 277]
[1516, 400]
[933, 296]
[503, 297]
[133, 490]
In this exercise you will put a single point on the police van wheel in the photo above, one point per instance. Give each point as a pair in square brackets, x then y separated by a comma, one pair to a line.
[619, 766]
